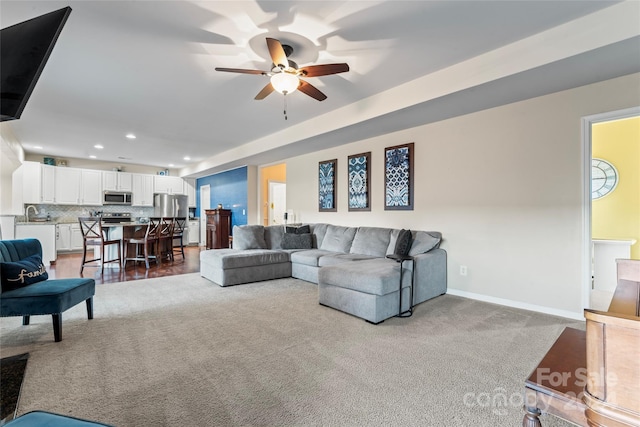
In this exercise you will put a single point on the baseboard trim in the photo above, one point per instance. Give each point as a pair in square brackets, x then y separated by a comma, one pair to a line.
[517, 304]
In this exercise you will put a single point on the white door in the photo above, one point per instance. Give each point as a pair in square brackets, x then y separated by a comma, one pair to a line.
[205, 203]
[277, 202]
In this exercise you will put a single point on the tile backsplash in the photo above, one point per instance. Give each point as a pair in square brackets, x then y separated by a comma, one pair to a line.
[70, 213]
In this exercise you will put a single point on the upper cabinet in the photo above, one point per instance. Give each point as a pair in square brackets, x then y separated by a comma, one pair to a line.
[190, 191]
[91, 187]
[117, 181]
[78, 186]
[168, 184]
[67, 185]
[32, 183]
[142, 190]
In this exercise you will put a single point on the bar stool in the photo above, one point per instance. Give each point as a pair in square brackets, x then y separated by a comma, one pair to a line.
[179, 225]
[147, 237]
[165, 237]
[94, 235]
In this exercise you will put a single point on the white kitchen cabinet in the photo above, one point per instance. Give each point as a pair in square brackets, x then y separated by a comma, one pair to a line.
[168, 184]
[117, 181]
[194, 232]
[32, 183]
[45, 233]
[67, 185]
[78, 186]
[63, 237]
[142, 190]
[48, 184]
[190, 191]
[91, 187]
[68, 237]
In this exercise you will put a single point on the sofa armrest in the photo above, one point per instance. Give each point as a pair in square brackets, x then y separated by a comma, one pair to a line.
[430, 276]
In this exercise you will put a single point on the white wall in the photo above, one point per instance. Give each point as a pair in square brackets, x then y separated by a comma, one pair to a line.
[503, 186]
[11, 157]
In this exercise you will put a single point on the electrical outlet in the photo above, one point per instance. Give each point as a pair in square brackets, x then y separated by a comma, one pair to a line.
[463, 270]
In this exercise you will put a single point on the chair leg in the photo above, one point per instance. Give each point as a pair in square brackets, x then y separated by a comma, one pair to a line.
[25, 320]
[84, 256]
[89, 308]
[57, 327]
[102, 259]
[146, 255]
[182, 246]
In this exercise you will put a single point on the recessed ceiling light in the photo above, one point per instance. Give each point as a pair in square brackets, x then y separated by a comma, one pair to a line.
[98, 146]
[187, 158]
[92, 157]
[130, 136]
[170, 165]
[37, 147]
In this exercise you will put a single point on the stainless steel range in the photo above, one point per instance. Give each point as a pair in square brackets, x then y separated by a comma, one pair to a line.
[116, 217]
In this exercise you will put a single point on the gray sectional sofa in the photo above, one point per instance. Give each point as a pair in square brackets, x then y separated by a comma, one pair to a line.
[348, 264]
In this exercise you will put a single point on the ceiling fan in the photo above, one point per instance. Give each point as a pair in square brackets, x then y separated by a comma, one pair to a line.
[285, 74]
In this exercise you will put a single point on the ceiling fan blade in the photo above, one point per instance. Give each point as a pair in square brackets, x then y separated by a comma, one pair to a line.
[264, 92]
[311, 90]
[324, 70]
[240, 70]
[277, 53]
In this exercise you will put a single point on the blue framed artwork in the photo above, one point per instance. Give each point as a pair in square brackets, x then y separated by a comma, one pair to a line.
[359, 182]
[327, 185]
[398, 177]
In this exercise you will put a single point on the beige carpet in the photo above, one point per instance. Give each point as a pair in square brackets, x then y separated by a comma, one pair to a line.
[183, 351]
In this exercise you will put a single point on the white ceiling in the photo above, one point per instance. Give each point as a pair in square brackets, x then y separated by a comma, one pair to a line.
[147, 67]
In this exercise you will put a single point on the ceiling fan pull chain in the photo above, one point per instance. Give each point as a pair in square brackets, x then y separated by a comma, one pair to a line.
[285, 105]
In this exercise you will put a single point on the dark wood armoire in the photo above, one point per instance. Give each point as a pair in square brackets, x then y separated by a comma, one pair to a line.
[218, 228]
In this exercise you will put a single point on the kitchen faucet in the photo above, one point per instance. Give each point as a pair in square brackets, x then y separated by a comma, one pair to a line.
[26, 211]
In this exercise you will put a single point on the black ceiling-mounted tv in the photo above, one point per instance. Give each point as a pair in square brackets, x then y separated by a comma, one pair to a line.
[24, 50]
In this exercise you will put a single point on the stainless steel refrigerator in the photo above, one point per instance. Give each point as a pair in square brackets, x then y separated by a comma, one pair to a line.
[171, 205]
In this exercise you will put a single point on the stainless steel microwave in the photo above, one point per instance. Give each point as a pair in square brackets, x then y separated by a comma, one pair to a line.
[116, 198]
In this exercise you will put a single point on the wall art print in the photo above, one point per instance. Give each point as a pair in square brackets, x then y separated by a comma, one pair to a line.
[360, 182]
[398, 177]
[327, 185]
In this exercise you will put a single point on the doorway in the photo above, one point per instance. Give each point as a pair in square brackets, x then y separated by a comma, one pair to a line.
[598, 281]
[277, 202]
[205, 203]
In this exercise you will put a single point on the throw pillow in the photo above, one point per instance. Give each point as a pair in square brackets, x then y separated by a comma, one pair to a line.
[424, 241]
[303, 229]
[249, 237]
[403, 243]
[22, 273]
[296, 241]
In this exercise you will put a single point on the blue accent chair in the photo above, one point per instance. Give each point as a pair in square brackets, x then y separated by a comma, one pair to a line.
[52, 296]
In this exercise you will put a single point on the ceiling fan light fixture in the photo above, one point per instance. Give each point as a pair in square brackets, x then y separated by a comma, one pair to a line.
[285, 83]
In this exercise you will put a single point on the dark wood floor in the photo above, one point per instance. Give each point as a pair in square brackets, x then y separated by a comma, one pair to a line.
[68, 265]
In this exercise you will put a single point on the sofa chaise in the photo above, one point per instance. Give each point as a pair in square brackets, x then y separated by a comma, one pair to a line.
[349, 265]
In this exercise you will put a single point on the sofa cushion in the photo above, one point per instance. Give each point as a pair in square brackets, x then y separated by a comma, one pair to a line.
[338, 239]
[371, 241]
[318, 231]
[424, 241]
[297, 241]
[249, 237]
[335, 259]
[377, 276]
[273, 236]
[232, 258]
[27, 271]
[310, 257]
